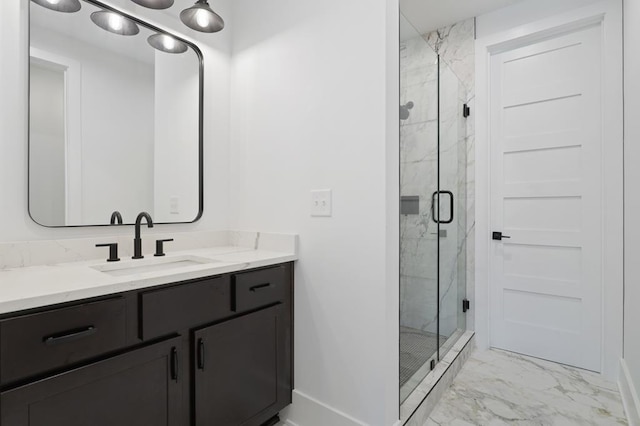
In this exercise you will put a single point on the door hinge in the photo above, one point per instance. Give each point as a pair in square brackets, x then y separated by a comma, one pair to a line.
[466, 305]
[466, 111]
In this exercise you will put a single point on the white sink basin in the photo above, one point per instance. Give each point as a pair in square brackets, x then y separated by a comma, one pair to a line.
[156, 264]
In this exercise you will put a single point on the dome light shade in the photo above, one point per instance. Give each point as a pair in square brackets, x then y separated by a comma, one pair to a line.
[115, 23]
[66, 6]
[166, 43]
[201, 18]
[154, 4]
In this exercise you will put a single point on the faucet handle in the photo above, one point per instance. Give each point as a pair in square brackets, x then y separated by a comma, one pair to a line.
[160, 247]
[113, 251]
[116, 218]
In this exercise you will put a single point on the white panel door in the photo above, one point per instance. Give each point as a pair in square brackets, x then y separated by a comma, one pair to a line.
[546, 195]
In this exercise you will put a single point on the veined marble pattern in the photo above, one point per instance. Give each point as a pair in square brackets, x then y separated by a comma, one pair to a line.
[50, 252]
[502, 388]
[456, 46]
[422, 150]
[419, 154]
[417, 406]
[419, 161]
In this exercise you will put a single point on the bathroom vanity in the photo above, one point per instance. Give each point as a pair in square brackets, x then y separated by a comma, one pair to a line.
[211, 350]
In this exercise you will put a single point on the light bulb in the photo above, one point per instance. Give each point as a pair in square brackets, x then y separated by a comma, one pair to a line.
[54, 2]
[168, 42]
[202, 18]
[115, 22]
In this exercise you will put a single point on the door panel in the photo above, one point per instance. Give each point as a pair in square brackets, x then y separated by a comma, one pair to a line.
[133, 389]
[244, 353]
[546, 172]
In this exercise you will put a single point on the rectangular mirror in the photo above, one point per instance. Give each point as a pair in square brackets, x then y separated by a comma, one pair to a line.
[115, 120]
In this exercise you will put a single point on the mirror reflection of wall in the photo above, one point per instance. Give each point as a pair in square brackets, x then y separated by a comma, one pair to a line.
[48, 135]
[176, 103]
[114, 124]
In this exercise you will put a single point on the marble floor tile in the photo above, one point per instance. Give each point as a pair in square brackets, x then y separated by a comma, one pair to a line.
[502, 388]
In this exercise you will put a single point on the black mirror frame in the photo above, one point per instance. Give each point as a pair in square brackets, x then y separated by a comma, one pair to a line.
[200, 114]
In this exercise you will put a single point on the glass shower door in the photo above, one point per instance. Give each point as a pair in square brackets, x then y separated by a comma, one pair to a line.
[433, 163]
[418, 231]
[452, 207]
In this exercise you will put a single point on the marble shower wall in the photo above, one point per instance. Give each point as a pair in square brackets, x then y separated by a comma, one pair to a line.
[456, 46]
[418, 177]
[419, 137]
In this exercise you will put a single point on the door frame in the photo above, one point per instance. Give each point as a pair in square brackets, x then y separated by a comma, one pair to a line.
[609, 14]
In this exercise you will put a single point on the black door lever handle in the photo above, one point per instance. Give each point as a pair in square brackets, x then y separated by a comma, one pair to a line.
[498, 236]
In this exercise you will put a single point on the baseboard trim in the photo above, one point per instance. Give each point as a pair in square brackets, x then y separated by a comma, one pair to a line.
[308, 411]
[629, 395]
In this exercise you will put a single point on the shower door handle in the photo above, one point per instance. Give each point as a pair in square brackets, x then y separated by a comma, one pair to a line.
[434, 201]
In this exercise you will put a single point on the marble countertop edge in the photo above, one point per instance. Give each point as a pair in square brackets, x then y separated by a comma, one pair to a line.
[24, 288]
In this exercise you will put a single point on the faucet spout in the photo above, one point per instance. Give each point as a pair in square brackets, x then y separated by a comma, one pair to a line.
[137, 241]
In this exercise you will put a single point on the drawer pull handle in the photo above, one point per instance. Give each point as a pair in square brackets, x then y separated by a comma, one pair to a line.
[70, 336]
[201, 354]
[259, 287]
[174, 364]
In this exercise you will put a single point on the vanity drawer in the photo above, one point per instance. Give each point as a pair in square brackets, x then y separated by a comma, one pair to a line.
[259, 288]
[191, 304]
[35, 343]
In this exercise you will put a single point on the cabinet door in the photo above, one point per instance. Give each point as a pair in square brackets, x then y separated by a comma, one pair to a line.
[242, 376]
[141, 387]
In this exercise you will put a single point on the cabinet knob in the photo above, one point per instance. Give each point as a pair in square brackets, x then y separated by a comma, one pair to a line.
[160, 246]
[113, 251]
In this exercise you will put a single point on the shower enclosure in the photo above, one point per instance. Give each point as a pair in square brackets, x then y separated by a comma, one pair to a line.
[433, 158]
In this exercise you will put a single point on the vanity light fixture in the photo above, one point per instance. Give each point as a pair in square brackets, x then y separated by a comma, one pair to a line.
[166, 43]
[114, 23]
[201, 17]
[154, 4]
[66, 6]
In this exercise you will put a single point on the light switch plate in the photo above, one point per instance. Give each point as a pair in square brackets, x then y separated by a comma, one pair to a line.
[321, 203]
[174, 205]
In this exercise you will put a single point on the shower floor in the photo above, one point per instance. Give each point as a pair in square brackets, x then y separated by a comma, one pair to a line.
[416, 348]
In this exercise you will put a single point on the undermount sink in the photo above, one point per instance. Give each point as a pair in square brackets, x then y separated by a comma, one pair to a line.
[117, 269]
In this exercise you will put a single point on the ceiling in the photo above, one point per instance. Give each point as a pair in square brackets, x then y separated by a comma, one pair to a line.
[428, 15]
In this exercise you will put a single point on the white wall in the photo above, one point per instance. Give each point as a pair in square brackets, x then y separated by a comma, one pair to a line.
[523, 13]
[117, 165]
[315, 105]
[15, 224]
[117, 161]
[176, 147]
[632, 205]
[47, 143]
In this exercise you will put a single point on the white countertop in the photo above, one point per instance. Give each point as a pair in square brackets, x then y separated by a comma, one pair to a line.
[41, 285]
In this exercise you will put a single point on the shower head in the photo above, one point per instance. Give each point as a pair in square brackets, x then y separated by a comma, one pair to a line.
[404, 110]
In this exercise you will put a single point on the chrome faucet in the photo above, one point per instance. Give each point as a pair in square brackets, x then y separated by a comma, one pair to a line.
[137, 241]
[116, 218]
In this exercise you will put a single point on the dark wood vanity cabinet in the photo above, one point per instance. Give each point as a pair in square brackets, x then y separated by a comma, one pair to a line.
[215, 351]
[140, 387]
[242, 369]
